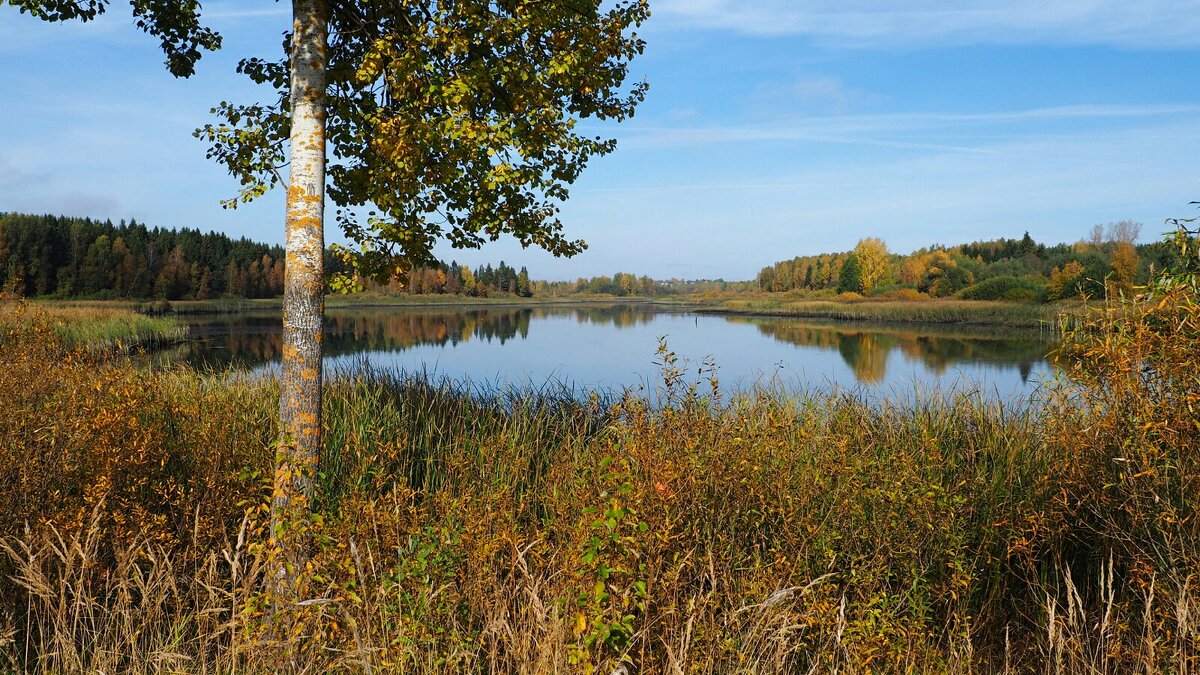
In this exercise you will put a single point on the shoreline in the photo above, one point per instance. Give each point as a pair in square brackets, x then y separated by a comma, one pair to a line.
[966, 313]
[841, 317]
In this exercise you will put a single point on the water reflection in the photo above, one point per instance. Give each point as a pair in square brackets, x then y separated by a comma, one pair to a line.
[613, 346]
[866, 349]
[253, 339]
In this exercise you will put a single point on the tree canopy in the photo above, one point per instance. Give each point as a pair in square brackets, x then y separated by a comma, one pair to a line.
[456, 120]
[1106, 261]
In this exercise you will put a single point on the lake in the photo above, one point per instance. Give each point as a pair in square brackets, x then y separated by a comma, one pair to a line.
[613, 347]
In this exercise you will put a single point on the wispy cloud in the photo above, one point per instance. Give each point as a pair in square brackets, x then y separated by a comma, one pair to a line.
[899, 130]
[817, 93]
[26, 184]
[860, 23]
[14, 179]
[22, 32]
[1055, 186]
[665, 137]
[65, 202]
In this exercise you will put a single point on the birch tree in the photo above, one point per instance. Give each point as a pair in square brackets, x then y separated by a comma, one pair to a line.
[873, 261]
[421, 121]
[451, 121]
[300, 375]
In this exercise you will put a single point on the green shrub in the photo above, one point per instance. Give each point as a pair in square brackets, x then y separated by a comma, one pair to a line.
[884, 291]
[898, 292]
[155, 308]
[1006, 288]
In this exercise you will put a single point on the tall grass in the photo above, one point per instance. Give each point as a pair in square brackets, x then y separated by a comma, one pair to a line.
[225, 306]
[460, 530]
[106, 329]
[993, 313]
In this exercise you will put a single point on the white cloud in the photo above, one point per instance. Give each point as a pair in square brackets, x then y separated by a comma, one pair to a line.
[14, 179]
[899, 130]
[819, 93]
[861, 23]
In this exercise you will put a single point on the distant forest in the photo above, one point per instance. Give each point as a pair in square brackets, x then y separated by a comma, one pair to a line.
[1107, 261]
[64, 257]
[83, 258]
[485, 280]
[454, 279]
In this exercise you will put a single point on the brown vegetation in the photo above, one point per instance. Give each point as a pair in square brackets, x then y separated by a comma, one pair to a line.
[531, 532]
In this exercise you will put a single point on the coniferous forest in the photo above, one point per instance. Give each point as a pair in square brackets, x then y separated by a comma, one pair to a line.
[68, 257]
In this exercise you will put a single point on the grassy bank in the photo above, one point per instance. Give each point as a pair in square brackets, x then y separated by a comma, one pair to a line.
[466, 531]
[101, 328]
[225, 306]
[370, 299]
[333, 301]
[927, 311]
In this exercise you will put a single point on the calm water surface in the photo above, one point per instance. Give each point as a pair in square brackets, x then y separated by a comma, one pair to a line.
[614, 347]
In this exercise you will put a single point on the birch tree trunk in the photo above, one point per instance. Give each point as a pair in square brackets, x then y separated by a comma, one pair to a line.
[303, 296]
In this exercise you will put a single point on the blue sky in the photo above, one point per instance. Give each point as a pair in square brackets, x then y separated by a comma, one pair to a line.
[773, 128]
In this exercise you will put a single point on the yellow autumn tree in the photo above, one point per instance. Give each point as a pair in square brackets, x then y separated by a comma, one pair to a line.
[1063, 282]
[873, 261]
[1125, 266]
[913, 269]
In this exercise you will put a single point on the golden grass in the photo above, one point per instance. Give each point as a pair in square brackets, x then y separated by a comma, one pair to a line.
[917, 310]
[465, 531]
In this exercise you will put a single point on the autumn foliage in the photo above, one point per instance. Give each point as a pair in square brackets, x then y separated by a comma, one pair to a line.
[459, 530]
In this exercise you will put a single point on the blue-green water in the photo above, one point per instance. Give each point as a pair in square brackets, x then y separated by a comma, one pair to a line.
[615, 347]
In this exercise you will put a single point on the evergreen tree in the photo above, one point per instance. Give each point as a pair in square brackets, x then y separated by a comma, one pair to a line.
[850, 279]
[524, 289]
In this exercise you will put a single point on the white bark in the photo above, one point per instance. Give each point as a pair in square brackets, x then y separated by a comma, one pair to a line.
[303, 299]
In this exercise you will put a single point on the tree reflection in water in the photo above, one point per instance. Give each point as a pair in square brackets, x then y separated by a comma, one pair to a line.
[938, 348]
[248, 341]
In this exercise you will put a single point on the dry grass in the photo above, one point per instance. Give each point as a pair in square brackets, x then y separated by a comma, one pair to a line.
[530, 532]
[848, 307]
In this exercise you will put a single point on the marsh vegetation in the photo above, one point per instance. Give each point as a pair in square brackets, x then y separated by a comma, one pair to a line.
[534, 531]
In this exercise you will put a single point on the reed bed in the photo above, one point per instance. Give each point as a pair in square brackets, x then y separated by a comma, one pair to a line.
[106, 329]
[940, 311]
[539, 531]
[225, 306]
